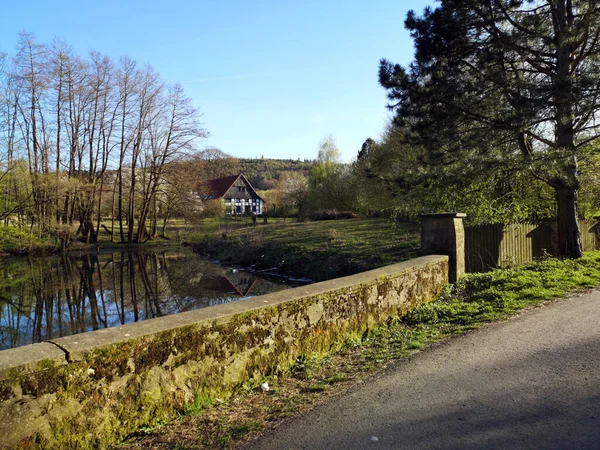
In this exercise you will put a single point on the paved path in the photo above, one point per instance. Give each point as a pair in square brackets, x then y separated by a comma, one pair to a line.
[530, 382]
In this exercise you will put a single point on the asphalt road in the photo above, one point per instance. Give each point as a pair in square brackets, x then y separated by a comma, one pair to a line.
[530, 382]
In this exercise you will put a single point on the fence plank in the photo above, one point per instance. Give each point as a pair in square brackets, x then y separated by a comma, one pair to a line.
[589, 235]
[491, 246]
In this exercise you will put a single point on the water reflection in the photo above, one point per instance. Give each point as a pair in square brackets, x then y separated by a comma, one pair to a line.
[45, 298]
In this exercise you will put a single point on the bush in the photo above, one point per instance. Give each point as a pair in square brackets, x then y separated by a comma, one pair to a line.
[213, 208]
[16, 241]
[331, 214]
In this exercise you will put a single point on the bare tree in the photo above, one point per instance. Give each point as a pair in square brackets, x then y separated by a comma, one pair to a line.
[126, 75]
[32, 78]
[67, 121]
[148, 110]
[172, 133]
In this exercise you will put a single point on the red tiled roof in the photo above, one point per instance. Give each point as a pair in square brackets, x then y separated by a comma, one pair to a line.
[218, 187]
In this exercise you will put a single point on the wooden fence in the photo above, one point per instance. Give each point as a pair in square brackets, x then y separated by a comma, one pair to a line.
[490, 246]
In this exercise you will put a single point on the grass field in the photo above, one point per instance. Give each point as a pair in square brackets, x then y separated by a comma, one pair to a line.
[316, 250]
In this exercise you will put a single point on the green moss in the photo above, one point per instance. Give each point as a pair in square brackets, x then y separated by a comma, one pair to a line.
[46, 378]
[140, 382]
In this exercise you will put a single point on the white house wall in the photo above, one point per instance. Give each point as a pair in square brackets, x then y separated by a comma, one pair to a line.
[243, 206]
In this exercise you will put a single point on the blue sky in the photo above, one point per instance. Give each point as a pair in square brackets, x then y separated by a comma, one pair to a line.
[271, 78]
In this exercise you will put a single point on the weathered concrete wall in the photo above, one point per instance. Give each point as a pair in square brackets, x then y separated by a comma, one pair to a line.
[91, 390]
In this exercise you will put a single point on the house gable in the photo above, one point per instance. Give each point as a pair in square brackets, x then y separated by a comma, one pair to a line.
[238, 195]
[241, 188]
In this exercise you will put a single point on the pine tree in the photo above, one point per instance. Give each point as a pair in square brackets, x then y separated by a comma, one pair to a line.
[505, 79]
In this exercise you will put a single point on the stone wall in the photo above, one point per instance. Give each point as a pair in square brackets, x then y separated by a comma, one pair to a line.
[93, 389]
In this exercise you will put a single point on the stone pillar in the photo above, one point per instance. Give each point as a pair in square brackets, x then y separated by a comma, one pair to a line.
[444, 234]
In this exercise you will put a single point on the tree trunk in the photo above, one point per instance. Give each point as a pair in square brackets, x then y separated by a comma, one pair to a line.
[99, 215]
[153, 232]
[112, 213]
[120, 206]
[164, 227]
[131, 206]
[569, 236]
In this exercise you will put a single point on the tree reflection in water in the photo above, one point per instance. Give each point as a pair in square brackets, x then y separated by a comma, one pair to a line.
[49, 297]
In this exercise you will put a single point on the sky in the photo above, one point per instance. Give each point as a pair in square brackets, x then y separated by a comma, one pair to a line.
[272, 78]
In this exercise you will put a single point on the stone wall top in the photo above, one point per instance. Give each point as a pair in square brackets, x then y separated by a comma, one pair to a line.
[72, 348]
[29, 356]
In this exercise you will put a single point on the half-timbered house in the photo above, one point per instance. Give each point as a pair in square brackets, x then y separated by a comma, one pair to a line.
[236, 192]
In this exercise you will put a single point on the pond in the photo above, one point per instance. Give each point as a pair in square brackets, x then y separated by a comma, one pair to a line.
[43, 298]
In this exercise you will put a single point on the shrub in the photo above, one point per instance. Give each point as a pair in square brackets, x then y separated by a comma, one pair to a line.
[331, 214]
[18, 241]
[213, 208]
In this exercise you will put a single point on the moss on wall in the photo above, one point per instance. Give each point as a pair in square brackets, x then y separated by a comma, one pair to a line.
[113, 390]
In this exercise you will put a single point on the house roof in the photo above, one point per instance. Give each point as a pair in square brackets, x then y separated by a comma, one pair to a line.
[218, 187]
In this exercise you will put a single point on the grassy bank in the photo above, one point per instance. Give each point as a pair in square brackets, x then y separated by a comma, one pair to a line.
[316, 250]
[476, 300]
[16, 241]
[20, 241]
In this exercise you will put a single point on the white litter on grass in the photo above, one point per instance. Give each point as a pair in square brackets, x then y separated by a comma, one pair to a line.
[91, 371]
[264, 387]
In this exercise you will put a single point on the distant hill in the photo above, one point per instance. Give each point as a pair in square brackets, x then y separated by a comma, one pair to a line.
[264, 172]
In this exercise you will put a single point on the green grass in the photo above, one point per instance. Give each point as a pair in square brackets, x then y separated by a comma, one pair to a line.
[481, 298]
[179, 231]
[200, 403]
[16, 241]
[484, 297]
[318, 387]
[245, 427]
[316, 250]
[336, 379]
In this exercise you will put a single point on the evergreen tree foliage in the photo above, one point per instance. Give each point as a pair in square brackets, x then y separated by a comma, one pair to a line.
[398, 175]
[506, 82]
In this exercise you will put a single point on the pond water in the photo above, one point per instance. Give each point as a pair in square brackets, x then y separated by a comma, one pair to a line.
[48, 297]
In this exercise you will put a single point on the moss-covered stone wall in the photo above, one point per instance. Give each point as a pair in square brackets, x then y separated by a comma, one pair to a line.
[93, 389]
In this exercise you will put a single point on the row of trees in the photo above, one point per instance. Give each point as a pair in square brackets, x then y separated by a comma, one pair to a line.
[394, 176]
[402, 175]
[80, 134]
[497, 116]
[330, 187]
